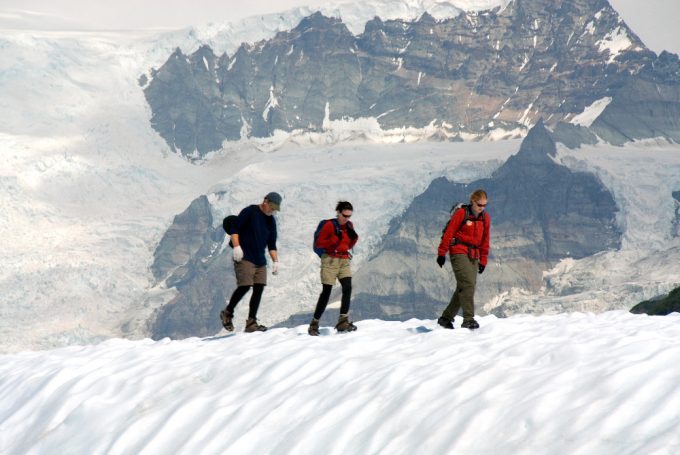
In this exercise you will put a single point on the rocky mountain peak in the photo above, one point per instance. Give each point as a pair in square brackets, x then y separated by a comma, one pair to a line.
[473, 74]
[534, 156]
[426, 18]
[538, 143]
[315, 21]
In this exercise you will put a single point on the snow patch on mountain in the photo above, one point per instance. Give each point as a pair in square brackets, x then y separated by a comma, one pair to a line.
[227, 37]
[591, 112]
[615, 42]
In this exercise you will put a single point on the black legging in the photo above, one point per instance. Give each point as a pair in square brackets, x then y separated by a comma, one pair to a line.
[255, 298]
[325, 295]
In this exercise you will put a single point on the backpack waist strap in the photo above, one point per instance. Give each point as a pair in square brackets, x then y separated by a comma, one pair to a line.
[473, 250]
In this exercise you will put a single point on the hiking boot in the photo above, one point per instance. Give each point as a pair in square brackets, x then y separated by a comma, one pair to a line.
[445, 322]
[469, 324]
[253, 326]
[344, 324]
[226, 317]
[313, 329]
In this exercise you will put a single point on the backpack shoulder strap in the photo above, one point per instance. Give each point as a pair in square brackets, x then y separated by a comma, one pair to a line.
[336, 225]
[466, 209]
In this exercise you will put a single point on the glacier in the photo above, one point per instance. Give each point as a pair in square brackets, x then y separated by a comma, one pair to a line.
[88, 189]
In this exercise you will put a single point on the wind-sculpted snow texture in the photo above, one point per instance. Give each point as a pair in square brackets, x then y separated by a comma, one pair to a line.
[469, 75]
[572, 383]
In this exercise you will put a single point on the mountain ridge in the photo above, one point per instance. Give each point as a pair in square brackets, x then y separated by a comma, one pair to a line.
[470, 75]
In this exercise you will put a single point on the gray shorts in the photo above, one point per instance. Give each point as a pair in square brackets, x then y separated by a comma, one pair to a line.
[248, 273]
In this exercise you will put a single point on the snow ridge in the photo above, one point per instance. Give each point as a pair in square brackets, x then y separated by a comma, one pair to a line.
[572, 383]
[227, 37]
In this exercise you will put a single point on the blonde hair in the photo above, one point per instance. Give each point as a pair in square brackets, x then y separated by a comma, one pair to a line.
[477, 195]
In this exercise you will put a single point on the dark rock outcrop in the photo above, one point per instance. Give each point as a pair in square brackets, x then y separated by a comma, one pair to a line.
[660, 307]
[187, 259]
[675, 230]
[573, 136]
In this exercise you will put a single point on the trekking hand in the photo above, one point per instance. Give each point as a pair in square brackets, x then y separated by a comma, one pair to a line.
[238, 254]
[352, 234]
[275, 268]
[481, 268]
[441, 260]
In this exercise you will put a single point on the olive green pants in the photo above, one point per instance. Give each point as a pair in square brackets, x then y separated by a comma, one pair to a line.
[465, 270]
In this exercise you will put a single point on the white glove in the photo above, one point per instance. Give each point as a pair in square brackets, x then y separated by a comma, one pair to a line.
[275, 268]
[238, 253]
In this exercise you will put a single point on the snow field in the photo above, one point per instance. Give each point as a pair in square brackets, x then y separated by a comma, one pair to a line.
[571, 383]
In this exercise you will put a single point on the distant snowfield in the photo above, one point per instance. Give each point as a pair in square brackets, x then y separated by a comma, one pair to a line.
[88, 188]
[572, 383]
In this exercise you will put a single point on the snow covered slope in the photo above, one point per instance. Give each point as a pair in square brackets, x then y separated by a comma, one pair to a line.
[87, 189]
[571, 383]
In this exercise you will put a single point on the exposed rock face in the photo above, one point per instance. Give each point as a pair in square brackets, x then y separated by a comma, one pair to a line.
[187, 258]
[573, 136]
[648, 105]
[189, 232]
[541, 212]
[676, 221]
[470, 74]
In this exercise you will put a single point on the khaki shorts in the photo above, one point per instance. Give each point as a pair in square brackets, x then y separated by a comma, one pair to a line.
[334, 268]
[248, 273]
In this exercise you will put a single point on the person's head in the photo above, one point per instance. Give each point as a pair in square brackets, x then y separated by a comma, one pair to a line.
[344, 210]
[478, 201]
[271, 203]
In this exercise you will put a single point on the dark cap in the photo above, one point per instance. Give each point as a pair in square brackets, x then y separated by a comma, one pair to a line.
[274, 200]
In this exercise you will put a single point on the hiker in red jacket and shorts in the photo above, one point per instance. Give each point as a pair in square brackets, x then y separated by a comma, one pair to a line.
[335, 240]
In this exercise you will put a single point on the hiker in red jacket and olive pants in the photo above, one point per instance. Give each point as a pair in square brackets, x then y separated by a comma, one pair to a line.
[466, 239]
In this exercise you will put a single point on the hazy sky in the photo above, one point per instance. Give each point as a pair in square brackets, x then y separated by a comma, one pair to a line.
[655, 21]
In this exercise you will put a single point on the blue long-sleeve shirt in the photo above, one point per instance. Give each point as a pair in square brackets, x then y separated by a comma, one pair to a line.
[255, 232]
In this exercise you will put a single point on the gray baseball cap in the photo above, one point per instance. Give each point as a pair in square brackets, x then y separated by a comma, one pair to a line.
[274, 199]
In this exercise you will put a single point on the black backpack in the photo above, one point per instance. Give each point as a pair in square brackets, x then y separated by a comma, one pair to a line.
[229, 224]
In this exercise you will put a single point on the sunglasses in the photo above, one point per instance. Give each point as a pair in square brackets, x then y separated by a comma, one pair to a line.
[478, 204]
[346, 216]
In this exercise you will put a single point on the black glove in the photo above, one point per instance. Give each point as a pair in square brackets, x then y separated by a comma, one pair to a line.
[481, 268]
[441, 260]
[352, 234]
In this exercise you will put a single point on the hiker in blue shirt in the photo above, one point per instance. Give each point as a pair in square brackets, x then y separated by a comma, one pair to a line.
[254, 230]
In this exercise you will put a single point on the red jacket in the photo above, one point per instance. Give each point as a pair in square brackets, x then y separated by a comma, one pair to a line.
[472, 236]
[335, 247]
